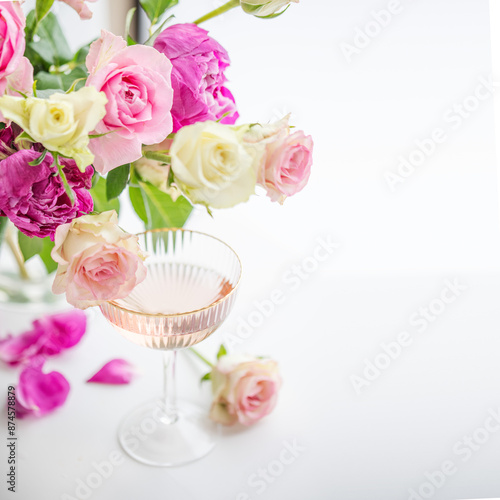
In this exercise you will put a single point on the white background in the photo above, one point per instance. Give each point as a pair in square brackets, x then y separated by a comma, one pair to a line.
[396, 251]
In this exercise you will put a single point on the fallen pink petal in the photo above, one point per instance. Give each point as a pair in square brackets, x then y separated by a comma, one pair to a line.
[61, 331]
[116, 371]
[15, 349]
[50, 335]
[39, 393]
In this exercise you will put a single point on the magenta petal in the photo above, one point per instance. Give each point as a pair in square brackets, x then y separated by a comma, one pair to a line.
[116, 371]
[61, 331]
[50, 335]
[39, 393]
[16, 349]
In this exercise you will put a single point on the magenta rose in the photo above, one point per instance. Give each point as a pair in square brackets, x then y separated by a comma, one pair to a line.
[34, 198]
[197, 75]
[136, 81]
[39, 393]
[97, 261]
[245, 389]
[15, 70]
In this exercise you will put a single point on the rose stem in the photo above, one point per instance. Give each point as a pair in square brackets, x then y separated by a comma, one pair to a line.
[205, 360]
[16, 251]
[217, 12]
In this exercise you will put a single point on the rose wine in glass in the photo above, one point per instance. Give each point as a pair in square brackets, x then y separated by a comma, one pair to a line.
[188, 292]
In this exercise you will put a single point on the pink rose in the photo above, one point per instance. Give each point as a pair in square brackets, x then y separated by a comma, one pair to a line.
[245, 389]
[21, 80]
[136, 81]
[286, 159]
[197, 75]
[15, 70]
[39, 393]
[81, 7]
[97, 261]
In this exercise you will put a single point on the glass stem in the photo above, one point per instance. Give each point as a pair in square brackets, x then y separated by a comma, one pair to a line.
[169, 388]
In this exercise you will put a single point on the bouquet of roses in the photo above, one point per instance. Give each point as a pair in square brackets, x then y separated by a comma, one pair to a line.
[155, 119]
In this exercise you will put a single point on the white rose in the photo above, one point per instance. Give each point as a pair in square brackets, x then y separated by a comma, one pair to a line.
[211, 165]
[263, 8]
[62, 122]
[156, 173]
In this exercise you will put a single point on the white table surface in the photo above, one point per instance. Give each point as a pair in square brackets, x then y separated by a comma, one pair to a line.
[396, 251]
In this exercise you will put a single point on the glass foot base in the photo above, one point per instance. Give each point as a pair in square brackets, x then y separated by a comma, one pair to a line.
[149, 437]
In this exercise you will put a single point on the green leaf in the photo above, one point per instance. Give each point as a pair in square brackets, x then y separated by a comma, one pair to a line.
[156, 8]
[222, 351]
[137, 199]
[81, 55]
[60, 81]
[3, 225]
[117, 181]
[151, 40]
[161, 210]
[52, 46]
[207, 376]
[47, 259]
[42, 8]
[101, 203]
[276, 14]
[29, 246]
[46, 93]
[39, 160]
[128, 22]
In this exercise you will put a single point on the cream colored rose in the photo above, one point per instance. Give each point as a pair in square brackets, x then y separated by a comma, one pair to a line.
[62, 122]
[263, 8]
[211, 166]
[97, 261]
[245, 389]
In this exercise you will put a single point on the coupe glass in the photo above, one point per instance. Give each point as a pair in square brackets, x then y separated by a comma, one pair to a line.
[189, 290]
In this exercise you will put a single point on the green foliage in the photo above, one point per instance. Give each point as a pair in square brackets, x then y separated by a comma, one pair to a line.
[207, 376]
[156, 8]
[29, 246]
[162, 210]
[116, 181]
[37, 246]
[156, 208]
[101, 203]
[128, 22]
[42, 8]
[137, 196]
[151, 40]
[39, 160]
[52, 46]
[222, 351]
[3, 225]
[48, 261]
[60, 81]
